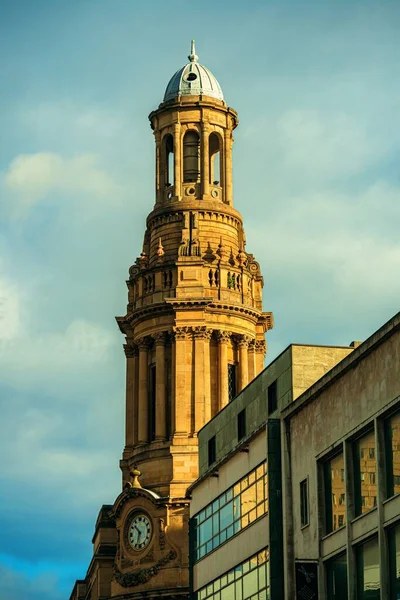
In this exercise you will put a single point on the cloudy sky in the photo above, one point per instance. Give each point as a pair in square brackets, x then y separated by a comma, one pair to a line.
[316, 175]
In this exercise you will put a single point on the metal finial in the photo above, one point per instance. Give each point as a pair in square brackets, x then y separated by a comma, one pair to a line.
[193, 56]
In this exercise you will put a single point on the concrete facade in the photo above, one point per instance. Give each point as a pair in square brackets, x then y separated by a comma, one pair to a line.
[331, 528]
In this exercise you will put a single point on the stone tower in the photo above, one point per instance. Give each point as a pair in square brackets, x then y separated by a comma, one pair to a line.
[194, 334]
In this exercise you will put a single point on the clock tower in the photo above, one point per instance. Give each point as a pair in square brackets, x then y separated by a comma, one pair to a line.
[194, 337]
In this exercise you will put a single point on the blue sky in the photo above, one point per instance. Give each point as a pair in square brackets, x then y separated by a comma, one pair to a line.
[316, 177]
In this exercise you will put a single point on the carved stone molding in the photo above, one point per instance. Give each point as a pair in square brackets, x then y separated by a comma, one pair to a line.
[182, 333]
[160, 338]
[261, 346]
[161, 533]
[131, 350]
[144, 343]
[252, 345]
[201, 332]
[141, 576]
[242, 340]
[223, 336]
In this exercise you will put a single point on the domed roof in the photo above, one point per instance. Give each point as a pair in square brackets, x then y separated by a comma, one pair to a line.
[193, 80]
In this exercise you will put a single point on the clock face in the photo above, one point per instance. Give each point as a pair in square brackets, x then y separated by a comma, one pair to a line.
[139, 533]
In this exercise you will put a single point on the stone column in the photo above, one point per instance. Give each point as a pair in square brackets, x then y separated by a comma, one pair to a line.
[131, 408]
[161, 397]
[223, 339]
[182, 408]
[252, 360]
[202, 384]
[143, 409]
[243, 343]
[228, 166]
[261, 350]
[177, 160]
[205, 159]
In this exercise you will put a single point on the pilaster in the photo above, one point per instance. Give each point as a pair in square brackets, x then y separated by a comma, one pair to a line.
[223, 340]
[161, 398]
[143, 416]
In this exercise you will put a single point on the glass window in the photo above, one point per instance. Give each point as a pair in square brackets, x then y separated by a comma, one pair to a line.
[335, 495]
[394, 562]
[234, 510]
[392, 439]
[304, 503]
[365, 488]
[247, 581]
[336, 578]
[368, 571]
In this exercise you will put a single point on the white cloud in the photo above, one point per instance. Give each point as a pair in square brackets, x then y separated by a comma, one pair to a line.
[31, 178]
[80, 346]
[9, 311]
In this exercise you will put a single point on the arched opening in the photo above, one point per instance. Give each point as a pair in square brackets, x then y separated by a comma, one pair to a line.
[215, 159]
[168, 160]
[191, 157]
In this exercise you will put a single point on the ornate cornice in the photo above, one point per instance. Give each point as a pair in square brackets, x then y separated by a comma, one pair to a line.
[141, 576]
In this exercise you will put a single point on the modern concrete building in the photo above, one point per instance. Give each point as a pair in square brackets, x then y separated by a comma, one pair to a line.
[299, 480]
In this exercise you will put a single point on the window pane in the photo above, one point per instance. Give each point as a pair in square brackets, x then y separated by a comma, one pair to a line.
[365, 473]
[250, 584]
[392, 434]
[368, 571]
[394, 562]
[335, 496]
[247, 581]
[304, 503]
[336, 576]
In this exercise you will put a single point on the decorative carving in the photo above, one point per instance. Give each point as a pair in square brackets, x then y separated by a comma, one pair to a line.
[252, 345]
[241, 257]
[195, 220]
[186, 217]
[144, 343]
[209, 255]
[260, 346]
[195, 247]
[160, 251]
[182, 333]
[133, 272]
[223, 336]
[131, 350]
[201, 332]
[161, 534]
[142, 261]
[243, 341]
[160, 338]
[141, 576]
[221, 250]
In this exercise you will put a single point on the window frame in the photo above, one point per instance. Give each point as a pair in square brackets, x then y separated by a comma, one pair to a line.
[304, 523]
